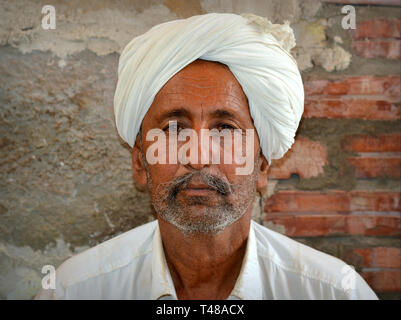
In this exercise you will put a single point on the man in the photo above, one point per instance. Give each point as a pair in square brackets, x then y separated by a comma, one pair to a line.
[230, 75]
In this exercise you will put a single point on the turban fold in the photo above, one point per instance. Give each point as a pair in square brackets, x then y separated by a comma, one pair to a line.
[256, 52]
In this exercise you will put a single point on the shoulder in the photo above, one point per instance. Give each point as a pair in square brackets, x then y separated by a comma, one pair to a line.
[107, 256]
[304, 264]
[297, 257]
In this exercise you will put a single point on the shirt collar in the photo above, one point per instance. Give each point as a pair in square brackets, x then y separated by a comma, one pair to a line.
[162, 283]
[248, 285]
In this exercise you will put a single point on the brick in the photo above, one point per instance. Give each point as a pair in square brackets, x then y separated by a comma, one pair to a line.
[374, 225]
[312, 213]
[383, 281]
[374, 201]
[376, 166]
[397, 29]
[366, 143]
[389, 49]
[379, 156]
[338, 87]
[389, 86]
[337, 201]
[314, 225]
[315, 87]
[379, 257]
[308, 201]
[376, 28]
[306, 158]
[352, 108]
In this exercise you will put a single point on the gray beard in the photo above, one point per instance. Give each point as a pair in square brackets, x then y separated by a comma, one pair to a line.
[206, 220]
[189, 218]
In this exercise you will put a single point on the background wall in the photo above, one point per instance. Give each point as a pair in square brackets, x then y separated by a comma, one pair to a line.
[66, 180]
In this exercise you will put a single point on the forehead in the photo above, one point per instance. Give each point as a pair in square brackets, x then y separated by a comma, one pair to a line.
[202, 85]
[213, 77]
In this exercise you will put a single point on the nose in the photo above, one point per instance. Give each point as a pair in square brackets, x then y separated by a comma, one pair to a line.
[199, 147]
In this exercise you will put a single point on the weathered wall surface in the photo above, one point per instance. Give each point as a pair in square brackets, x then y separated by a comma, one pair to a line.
[66, 180]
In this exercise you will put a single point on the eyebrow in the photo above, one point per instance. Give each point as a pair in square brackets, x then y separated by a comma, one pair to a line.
[219, 113]
[175, 113]
[182, 112]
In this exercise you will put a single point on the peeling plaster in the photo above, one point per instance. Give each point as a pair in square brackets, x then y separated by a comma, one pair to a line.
[312, 47]
[333, 59]
[20, 267]
[107, 28]
[103, 31]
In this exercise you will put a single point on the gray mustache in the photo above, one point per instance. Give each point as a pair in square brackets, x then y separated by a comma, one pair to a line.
[223, 187]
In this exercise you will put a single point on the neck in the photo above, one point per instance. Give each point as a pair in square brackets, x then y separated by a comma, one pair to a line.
[205, 265]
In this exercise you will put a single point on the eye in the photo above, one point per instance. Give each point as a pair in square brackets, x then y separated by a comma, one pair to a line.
[173, 126]
[223, 126]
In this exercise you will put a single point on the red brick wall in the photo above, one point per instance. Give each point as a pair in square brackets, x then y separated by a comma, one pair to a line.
[338, 189]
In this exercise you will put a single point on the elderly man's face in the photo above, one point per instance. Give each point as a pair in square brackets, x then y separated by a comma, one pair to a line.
[198, 197]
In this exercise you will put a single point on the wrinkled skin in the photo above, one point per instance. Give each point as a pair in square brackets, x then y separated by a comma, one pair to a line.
[203, 210]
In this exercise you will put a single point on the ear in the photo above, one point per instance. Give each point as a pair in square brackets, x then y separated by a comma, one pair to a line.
[262, 176]
[138, 167]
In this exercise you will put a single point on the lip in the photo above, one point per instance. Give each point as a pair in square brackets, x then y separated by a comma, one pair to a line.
[197, 189]
[199, 186]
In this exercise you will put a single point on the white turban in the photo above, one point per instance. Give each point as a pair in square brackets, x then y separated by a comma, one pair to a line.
[256, 52]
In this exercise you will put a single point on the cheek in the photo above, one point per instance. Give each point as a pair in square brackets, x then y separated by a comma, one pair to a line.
[229, 171]
[156, 156]
[243, 155]
[160, 173]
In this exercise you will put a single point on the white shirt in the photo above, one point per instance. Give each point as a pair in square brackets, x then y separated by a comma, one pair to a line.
[133, 266]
